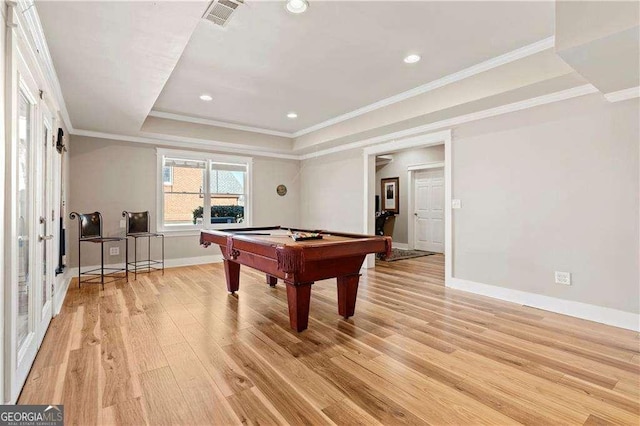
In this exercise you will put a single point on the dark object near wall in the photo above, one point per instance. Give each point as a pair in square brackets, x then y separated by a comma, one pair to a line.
[90, 231]
[381, 220]
[138, 226]
[62, 249]
[60, 141]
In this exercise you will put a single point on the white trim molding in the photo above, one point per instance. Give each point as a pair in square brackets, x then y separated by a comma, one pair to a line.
[586, 311]
[62, 286]
[623, 95]
[226, 125]
[191, 143]
[29, 21]
[426, 166]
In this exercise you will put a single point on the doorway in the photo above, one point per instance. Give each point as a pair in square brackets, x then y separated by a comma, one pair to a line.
[426, 140]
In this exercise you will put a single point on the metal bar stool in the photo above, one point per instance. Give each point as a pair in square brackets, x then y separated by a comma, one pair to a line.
[138, 227]
[90, 231]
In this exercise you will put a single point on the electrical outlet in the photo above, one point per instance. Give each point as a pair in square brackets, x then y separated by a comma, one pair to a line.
[456, 204]
[122, 224]
[114, 251]
[563, 278]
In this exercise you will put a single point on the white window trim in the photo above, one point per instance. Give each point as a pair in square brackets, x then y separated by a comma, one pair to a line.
[186, 230]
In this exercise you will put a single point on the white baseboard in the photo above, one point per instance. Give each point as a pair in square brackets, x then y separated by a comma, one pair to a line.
[401, 246]
[614, 317]
[168, 263]
[62, 285]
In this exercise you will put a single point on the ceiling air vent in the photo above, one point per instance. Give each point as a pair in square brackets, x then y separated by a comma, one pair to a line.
[220, 11]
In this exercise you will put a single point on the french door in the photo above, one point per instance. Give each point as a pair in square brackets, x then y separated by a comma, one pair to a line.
[29, 276]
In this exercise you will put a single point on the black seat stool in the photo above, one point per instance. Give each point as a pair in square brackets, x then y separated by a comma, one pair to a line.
[138, 227]
[90, 231]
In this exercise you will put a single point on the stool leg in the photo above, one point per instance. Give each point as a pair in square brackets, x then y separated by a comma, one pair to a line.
[163, 254]
[126, 258]
[135, 259]
[149, 254]
[102, 263]
[79, 263]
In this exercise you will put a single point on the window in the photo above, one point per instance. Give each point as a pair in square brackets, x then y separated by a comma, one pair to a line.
[202, 190]
[167, 175]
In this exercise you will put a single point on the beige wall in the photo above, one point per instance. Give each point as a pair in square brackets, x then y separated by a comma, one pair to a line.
[549, 188]
[331, 196]
[111, 176]
[398, 168]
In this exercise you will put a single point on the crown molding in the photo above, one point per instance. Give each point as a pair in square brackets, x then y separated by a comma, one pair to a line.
[29, 23]
[207, 145]
[198, 120]
[504, 59]
[623, 95]
[184, 142]
[461, 119]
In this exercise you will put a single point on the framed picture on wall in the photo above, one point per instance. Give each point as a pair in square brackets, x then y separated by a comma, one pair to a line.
[390, 194]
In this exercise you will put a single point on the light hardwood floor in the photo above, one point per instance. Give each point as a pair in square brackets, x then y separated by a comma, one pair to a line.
[177, 349]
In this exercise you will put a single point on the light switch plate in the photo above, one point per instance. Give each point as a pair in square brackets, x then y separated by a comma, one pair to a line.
[122, 224]
[456, 204]
[114, 251]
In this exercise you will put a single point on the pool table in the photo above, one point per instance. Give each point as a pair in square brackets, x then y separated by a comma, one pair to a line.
[298, 263]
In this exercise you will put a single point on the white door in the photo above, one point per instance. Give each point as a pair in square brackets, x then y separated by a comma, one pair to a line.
[23, 292]
[429, 210]
[28, 208]
[46, 223]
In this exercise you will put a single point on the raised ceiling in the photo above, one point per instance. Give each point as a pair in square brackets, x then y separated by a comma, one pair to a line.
[118, 61]
[338, 56]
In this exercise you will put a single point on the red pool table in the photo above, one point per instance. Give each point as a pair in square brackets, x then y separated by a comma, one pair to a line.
[298, 263]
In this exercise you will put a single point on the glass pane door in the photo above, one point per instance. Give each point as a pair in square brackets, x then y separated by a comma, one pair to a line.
[24, 220]
[44, 218]
[46, 223]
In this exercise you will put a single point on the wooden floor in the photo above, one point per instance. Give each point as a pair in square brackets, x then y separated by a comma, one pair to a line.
[177, 349]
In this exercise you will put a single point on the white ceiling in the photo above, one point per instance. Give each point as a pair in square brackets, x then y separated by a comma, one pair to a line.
[338, 56]
[115, 60]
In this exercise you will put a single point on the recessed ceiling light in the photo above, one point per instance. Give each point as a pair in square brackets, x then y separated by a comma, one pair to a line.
[412, 59]
[292, 115]
[297, 6]
[206, 98]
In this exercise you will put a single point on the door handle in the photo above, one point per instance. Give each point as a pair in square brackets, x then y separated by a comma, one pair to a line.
[415, 214]
[45, 237]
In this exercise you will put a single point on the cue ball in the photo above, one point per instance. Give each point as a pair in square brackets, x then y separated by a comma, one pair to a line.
[281, 190]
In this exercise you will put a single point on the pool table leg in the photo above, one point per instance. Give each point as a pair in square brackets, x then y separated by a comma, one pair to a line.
[232, 272]
[298, 297]
[271, 280]
[347, 293]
